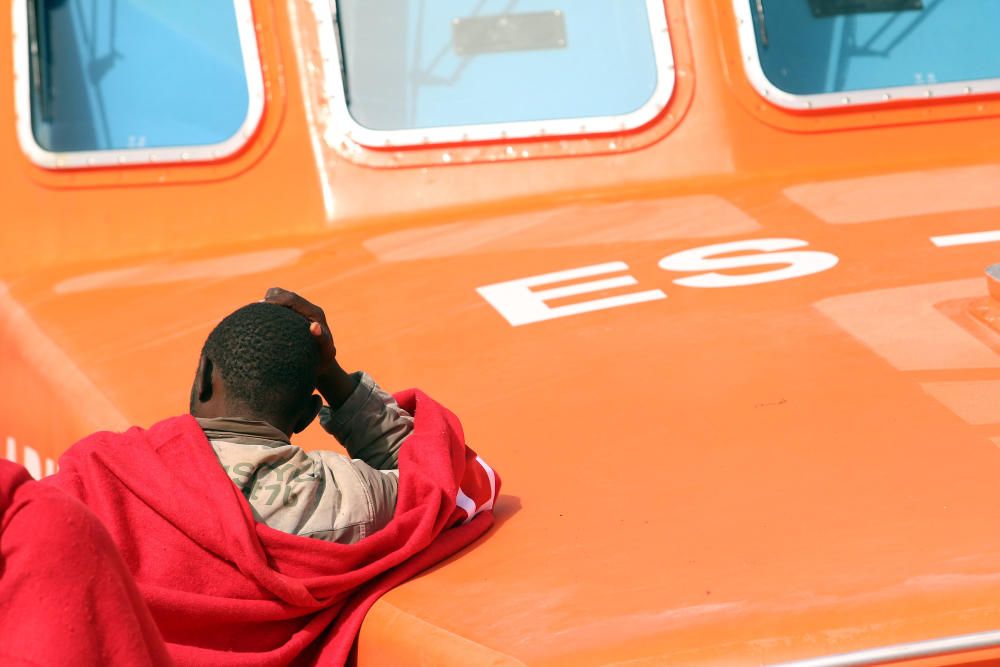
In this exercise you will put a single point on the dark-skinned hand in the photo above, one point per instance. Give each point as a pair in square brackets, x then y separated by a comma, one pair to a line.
[314, 315]
[331, 380]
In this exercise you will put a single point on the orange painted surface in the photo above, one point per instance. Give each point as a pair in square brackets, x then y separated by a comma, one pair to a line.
[725, 476]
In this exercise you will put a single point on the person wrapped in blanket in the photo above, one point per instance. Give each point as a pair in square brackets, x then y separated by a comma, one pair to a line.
[319, 494]
[248, 549]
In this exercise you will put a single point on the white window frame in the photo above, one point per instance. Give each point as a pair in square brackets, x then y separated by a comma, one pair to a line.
[848, 98]
[136, 156]
[347, 126]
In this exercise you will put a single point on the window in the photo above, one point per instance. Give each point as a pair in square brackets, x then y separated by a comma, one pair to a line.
[134, 81]
[821, 53]
[420, 71]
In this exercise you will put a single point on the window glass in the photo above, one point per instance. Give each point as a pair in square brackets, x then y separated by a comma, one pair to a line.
[413, 64]
[809, 47]
[135, 73]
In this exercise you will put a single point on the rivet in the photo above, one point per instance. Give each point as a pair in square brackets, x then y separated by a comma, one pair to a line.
[446, 157]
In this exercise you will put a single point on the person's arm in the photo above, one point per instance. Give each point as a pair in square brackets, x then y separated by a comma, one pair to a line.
[366, 420]
[372, 426]
[336, 385]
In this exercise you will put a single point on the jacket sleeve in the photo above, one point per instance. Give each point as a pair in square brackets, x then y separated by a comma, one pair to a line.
[370, 425]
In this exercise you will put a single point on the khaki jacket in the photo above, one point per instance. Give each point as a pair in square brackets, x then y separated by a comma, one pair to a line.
[320, 494]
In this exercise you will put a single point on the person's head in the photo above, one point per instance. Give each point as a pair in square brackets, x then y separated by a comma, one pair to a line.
[259, 363]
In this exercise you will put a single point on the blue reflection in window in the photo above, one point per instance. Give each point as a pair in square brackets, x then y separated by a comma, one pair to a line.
[114, 74]
[410, 64]
[933, 41]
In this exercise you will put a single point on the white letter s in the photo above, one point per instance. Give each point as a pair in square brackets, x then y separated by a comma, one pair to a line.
[798, 264]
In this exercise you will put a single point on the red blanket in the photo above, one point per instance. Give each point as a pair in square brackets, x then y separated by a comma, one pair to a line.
[66, 597]
[225, 590]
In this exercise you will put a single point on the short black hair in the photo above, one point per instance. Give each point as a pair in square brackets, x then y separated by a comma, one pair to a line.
[267, 357]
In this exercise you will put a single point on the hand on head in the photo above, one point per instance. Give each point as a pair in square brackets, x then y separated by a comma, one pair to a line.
[317, 321]
[331, 380]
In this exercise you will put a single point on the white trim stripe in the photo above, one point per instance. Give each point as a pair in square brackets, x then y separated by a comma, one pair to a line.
[466, 504]
[909, 651]
[971, 238]
[488, 505]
